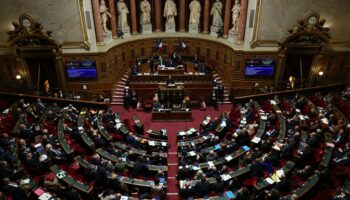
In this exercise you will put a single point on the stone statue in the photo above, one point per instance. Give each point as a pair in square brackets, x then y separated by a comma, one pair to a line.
[216, 11]
[195, 8]
[122, 14]
[104, 15]
[170, 11]
[145, 8]
[235, 15]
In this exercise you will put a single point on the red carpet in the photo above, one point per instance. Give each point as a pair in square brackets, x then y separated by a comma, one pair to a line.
[172, 128]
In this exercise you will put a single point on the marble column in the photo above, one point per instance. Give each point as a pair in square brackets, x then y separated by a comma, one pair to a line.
[158, 16]
[113, 21]
[97, 22]
[242, 21]
[133, 17]
[206, 17]
[227, 17]
[182, 15]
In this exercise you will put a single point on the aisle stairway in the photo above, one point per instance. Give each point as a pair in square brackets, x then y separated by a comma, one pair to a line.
[218, 79]
[173, 191]
[118, 91]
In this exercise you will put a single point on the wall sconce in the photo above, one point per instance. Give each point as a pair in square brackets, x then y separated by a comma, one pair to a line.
[320, 73]
[18, 77]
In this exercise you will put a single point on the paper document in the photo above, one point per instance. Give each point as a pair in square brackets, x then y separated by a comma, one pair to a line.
[256, 140]
[269, 180]
[228, 158]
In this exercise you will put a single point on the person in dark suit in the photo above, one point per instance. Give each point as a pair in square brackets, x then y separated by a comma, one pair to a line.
[305, 172]
[315, 139]
[170, 81]
[55, 154]
[187, 191]
[218, 187]
[183, 173]
[341, 137]
[202, 188]
[140, 168]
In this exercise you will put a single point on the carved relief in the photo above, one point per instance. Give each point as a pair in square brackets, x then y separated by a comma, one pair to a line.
[308, 31]
[28, 32]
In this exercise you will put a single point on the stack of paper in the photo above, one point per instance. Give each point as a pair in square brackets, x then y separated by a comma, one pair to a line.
[228, 158]
[191, 153]
[256, 140]
[225, 177]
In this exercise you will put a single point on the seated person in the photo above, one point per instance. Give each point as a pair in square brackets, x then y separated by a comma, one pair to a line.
[170, 81]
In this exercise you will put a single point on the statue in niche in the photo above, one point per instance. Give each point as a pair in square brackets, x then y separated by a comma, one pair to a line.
[145, 8]
[216, 11]
[235, 15]
[195, 8]
[123, 12]
[104, 15]
[170, 11]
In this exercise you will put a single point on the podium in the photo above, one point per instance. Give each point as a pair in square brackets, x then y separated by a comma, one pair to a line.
[171, 94]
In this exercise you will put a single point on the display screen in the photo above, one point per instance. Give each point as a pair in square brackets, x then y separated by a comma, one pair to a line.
[259, 67]
[83, 69]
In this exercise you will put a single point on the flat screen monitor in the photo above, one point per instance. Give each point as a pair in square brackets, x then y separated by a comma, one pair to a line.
[259, 67]
[82, 69]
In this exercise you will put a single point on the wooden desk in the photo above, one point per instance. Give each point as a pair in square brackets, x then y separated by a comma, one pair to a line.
[71, 181]
[170, 70]
[175, 116]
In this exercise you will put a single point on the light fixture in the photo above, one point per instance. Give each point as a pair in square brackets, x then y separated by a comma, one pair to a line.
[320, 73]
[18, 77]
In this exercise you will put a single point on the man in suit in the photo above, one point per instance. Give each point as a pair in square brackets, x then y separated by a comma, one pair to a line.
[183, 173]
[55, 154]
[341, 137]
[170, 81]
[187, 191]
[140, 168]
[202, 188]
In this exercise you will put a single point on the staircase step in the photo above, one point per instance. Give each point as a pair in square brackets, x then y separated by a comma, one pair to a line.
[118, 96]
[118, 92]
[117, 103]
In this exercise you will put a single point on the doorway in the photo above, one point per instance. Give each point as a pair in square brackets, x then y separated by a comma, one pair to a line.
[298, 66]
[41, 69]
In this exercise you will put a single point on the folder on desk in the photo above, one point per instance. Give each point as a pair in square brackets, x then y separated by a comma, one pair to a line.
[230, 195]
[245, 148]
[216, 147]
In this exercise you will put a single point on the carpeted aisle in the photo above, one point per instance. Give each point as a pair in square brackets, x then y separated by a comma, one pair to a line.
[172, 128]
